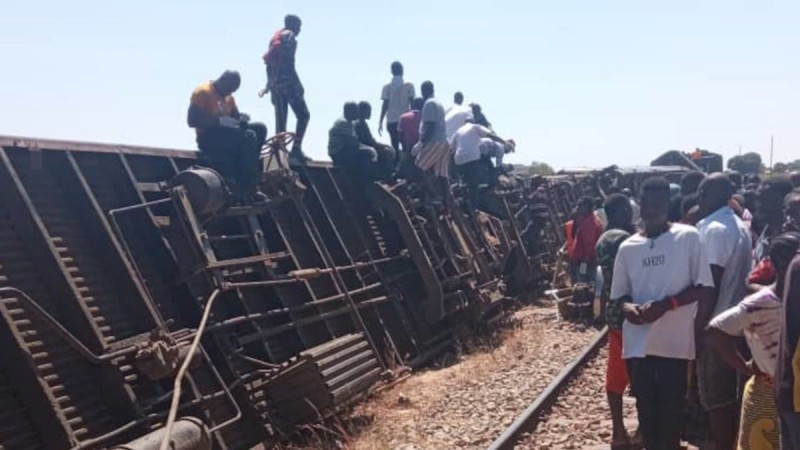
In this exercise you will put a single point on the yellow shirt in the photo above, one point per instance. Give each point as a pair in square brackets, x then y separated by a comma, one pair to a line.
[206, 98]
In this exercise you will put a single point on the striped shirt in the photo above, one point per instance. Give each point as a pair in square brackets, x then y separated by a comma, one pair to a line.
[759, 317]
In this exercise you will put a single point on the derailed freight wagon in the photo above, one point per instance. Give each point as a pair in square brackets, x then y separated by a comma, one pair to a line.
[110, 256]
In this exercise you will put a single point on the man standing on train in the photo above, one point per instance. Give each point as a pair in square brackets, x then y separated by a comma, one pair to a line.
[284, 84]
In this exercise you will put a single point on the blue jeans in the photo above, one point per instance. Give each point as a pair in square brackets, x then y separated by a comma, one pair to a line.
[577, 277]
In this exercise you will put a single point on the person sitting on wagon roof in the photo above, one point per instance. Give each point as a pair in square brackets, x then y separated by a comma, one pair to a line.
[228, 141]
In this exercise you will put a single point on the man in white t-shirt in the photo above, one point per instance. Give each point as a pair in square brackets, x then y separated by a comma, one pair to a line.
[396, 96]
[456, 116]
[659, 274]
[473, 168]
[727, 244]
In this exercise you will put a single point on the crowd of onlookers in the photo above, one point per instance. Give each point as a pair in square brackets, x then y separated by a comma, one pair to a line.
[426, 139]
[700, 287]
[700, 280]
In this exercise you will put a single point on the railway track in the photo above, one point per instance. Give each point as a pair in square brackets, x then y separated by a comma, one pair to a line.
[527, 421]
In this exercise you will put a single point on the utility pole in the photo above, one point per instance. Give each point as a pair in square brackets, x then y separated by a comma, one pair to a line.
[771, 151]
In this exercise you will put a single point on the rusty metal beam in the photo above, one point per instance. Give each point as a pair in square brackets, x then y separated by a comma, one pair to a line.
[338, 219]
[23, 211]
[80, 146]
[124, 273]
[358, 320]
[323, 316]
[294, 237]
[433, 305]
[39, 401]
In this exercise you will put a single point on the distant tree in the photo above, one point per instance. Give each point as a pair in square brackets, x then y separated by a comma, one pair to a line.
[540, 168]
[781, 167]
[749, 163]
[735, 162]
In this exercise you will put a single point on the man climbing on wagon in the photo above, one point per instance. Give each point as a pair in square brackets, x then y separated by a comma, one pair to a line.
[471, 163]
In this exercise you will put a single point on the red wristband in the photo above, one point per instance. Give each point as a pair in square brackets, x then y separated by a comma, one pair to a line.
[673, 301]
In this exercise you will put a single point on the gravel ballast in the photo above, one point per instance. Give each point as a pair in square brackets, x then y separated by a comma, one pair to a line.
[470, 403]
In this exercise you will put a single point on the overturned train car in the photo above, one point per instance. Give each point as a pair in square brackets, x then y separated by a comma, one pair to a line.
[110, 257]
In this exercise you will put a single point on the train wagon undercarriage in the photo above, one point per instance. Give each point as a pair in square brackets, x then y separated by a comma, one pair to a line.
[118, 262]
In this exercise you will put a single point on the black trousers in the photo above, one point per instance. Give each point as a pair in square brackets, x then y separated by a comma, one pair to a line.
[387, 161]
[282, 99]
[659, 385]
[790, 430]
[406, 169]
[358, 162]
[394, 135]
[472, 174]
[234, 153]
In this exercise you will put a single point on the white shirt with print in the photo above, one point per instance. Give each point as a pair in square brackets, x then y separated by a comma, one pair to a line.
[654, 269]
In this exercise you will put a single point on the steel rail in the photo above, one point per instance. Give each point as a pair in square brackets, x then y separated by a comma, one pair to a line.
[530, 417]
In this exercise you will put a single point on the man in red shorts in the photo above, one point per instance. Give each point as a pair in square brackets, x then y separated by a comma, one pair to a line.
[620, 226]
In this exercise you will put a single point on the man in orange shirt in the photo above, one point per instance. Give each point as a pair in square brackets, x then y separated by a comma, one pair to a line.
[228, 142]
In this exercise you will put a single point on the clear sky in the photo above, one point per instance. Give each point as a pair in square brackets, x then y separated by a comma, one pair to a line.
[576, 83]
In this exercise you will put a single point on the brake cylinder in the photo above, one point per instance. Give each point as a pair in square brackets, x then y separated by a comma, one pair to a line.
[188, 433]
